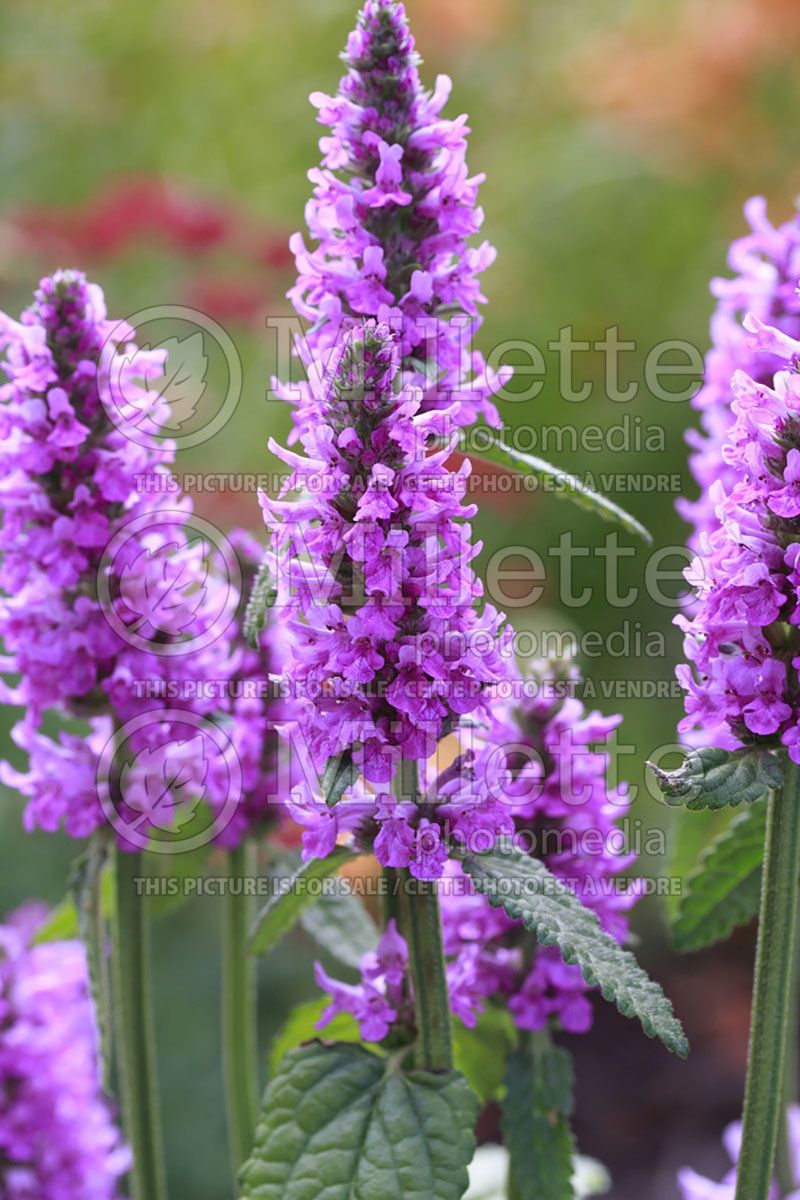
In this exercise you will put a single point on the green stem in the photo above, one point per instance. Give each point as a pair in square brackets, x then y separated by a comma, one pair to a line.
[134, 1031]
[239, 1013]
[421, 924]
[771, 990]
[784, 1161]
[391, 896]
[423, 929]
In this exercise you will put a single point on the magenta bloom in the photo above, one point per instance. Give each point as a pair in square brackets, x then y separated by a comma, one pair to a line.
[766, 263]
[69, 493]
[58, 1139]
[393, 214]
[740, 680]
[378, 1000]
[543, 761]
[386, 649]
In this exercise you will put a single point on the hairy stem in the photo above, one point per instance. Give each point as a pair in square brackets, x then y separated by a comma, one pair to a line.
[423, 929]
[421, 925]
[784, 1161]
[771, 990]
[134, 1032]
[239, 1013]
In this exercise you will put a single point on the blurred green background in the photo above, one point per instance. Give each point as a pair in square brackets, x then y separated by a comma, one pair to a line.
[619, 142]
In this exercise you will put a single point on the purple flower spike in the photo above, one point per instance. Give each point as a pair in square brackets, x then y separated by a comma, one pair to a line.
[69, 494]
[393, 213]
[386, 649]
[740, 633]
[767, 266]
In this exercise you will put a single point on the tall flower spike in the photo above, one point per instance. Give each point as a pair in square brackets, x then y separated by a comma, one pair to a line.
[393, 213]
[58, 1140]
[767, 265]
[386, 648]
[544, 760]
[741, 638]
[69, 487]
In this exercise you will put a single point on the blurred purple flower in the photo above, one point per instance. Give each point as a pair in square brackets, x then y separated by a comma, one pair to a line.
[58, 1140]
[697, 1187]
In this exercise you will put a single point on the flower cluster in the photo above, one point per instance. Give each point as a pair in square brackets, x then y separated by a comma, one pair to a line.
[767, 265]
[387, 651]
[392, 213]
[83, 625]
[545, 762]
[58, 1140]
[544, 766]
[698, 1187]
[740, 638]
[378, 1001]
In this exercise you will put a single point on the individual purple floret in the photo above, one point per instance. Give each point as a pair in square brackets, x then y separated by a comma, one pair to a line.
[379, 999]
[546, 760]
[387, 650]
[767, 266]
[393, 214]
[740, 640]
[69, 492]
[58, 1139]
[698, 1187]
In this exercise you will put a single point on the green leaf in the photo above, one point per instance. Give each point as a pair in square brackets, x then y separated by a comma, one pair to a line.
[301, 1026]
[340, 1122]
[536, 1122]
[570, 487]
[527, 891]
[725, 888]
[341, 925]
[283, 910]
[714, 778]
[480, 1053]
[689, 834]
[340, 773]
[262, 596]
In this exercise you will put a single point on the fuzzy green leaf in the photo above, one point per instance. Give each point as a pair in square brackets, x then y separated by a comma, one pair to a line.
[570, 487]
[712, 778]
[527, 891]
[284, 909]
[340, 924]
[725, 888]
[536, 1122]
[340, 1122]
[301, 1026]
